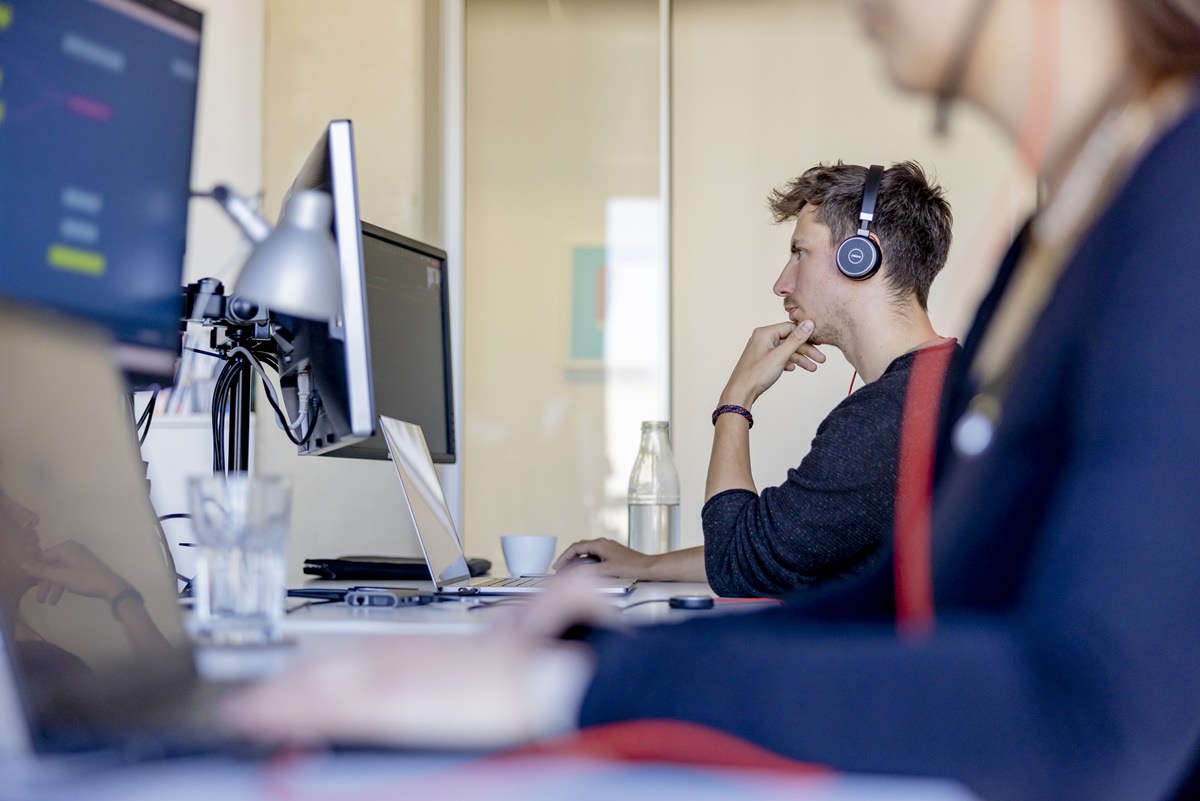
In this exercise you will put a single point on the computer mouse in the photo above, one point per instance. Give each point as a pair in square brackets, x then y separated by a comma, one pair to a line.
[581, 559]
[690, 602]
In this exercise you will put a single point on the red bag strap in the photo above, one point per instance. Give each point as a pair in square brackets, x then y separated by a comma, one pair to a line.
[913, 571]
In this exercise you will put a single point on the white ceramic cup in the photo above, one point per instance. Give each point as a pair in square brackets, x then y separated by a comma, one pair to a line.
[528, 554]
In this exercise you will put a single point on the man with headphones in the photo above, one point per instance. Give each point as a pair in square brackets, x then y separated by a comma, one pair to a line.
[866, 246]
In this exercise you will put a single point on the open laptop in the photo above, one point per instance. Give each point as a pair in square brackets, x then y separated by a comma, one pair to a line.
[74, 677]
[435, 527]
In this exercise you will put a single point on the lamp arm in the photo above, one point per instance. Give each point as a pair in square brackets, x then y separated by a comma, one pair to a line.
[253, 225]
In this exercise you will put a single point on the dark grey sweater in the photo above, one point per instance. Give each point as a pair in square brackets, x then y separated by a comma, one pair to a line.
[831, 515]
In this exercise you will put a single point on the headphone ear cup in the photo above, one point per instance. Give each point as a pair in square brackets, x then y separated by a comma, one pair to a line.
[859, 257]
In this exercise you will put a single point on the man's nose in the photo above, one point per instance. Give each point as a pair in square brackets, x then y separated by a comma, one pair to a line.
[784, 283]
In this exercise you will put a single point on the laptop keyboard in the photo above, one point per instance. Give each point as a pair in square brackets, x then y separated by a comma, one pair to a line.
[509, 582]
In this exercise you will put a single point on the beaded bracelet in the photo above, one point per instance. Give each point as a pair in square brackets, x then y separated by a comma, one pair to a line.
[730, 408]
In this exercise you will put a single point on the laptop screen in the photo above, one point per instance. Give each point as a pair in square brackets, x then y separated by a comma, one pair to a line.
[430, 515]
[88, 604]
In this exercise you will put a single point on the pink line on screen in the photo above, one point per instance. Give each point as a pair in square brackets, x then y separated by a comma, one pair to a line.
[87, 107]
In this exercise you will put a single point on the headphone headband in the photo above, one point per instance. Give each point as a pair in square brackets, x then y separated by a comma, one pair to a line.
[866, 214]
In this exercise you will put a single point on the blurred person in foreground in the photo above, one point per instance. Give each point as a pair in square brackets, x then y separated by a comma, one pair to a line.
[833, 515]
[1062, 661]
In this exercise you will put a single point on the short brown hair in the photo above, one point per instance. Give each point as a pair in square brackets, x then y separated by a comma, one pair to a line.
[1165, 35]
[912, 218]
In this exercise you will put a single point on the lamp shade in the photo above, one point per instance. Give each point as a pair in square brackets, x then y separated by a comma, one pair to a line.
[295, 269]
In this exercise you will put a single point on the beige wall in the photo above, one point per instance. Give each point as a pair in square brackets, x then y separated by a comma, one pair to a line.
[365, 61]
[228, 145]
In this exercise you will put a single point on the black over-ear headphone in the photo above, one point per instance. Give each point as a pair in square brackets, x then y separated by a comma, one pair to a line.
[858, 256]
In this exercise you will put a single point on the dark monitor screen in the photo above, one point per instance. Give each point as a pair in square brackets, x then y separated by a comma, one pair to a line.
[407, 305]
[97, 109]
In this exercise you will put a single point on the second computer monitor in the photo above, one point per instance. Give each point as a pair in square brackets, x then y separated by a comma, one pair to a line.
[408, 318]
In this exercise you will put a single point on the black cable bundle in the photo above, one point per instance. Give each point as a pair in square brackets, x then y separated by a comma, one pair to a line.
[220, 403]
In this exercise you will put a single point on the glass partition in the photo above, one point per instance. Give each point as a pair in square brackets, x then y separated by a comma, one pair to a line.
[566, 317]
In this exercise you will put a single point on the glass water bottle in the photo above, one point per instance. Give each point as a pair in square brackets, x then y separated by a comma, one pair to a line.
[654, 492]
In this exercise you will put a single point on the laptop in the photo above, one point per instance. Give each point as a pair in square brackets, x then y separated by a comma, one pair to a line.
[73, 495]
[435, 527]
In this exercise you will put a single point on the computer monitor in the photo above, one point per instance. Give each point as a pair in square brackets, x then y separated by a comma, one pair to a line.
[97, 110]
[325, 366]
[408, 313]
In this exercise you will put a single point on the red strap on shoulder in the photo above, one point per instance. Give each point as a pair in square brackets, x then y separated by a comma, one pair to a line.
[673, 741]
[914, 489]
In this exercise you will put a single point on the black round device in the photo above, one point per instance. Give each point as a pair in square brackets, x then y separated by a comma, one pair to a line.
[690, 602]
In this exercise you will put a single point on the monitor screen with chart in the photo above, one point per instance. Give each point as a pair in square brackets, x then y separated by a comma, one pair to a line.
[97, 110]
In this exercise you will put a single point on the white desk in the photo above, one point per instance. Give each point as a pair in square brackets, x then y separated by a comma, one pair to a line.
[321, 776]
[315, 626]
[473, 613]
[413, 776]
